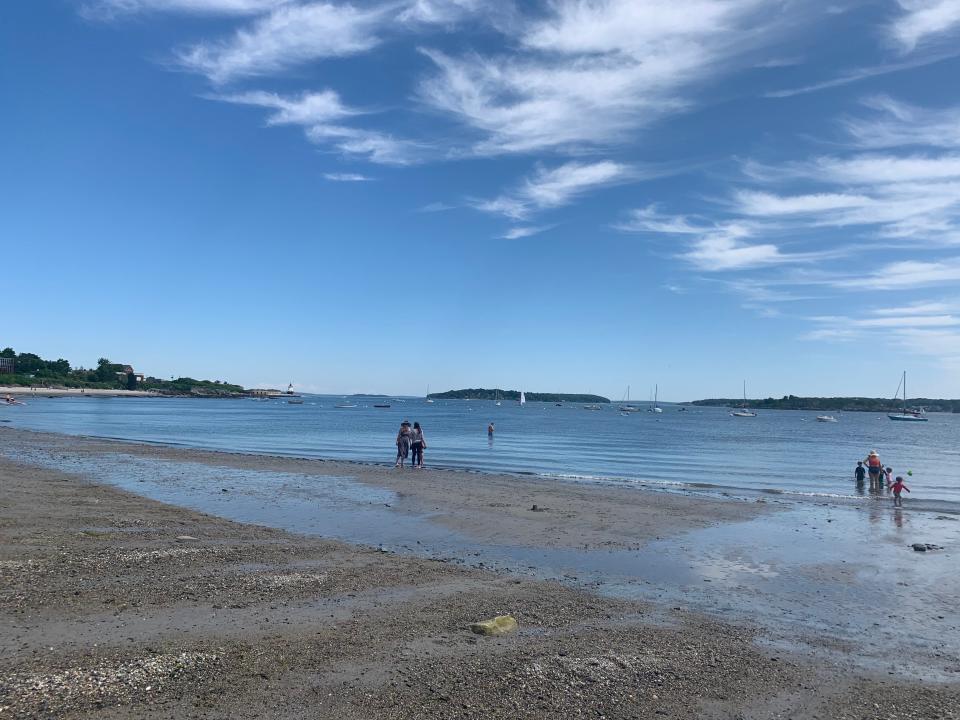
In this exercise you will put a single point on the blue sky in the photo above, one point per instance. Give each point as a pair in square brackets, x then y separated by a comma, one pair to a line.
[564, 196]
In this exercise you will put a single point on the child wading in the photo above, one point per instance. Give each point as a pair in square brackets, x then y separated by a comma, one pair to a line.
[897, 488]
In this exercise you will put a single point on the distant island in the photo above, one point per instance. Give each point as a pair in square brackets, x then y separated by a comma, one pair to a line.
[841, 404]
[485, 394]
[30, 370]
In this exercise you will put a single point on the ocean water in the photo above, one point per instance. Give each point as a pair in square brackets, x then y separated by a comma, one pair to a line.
[702, 449]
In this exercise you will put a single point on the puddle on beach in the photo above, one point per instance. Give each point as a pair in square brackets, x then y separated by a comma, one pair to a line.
[820, 575]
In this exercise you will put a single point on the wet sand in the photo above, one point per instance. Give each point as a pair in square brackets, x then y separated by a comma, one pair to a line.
[117, 606]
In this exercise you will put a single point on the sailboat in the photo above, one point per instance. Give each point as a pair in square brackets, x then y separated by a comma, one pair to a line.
[627, 407]
[497, 397]
[655, 408]
[906, 415]
[429, 399]
[744, 411]
[523, 398]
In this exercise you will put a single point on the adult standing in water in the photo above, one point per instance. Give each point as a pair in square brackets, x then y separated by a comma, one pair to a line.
[403, 443]
[874, 468]
[417, 445]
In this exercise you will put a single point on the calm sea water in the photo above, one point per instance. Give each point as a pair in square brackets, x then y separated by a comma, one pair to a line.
[705, 448]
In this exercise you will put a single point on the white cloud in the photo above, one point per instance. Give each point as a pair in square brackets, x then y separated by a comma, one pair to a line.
[918, 308]
[899, 124]
[436, 207]
[524, 231]
[765, 204]
[317, 112]
[555, 187]
[877, 169]
[910, 321]
[372, 145]
[923, 20]
[725, 248]
[591, 73]
[309, 108]
[112, 8]
[852, 76]
[928, 335]
[651, 220]
[906, 274]
[347, 177]
[440, 12]
[291, 35]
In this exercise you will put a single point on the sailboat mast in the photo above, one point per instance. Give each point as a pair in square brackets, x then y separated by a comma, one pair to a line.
[904, 392]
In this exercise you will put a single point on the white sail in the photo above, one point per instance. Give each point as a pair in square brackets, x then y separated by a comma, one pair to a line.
[523, 398]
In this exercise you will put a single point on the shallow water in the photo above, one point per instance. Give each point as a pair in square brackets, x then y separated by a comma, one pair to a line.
[776, 452]
[814, 575]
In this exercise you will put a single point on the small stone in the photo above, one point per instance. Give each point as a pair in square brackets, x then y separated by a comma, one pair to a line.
[184, 538]
[500, 625]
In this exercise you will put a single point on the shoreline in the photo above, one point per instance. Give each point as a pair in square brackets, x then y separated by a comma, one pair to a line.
[693, 488]
[486, 505]
[21, 390]
[118, 605]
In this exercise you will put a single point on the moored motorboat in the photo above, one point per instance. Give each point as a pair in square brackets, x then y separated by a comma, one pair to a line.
[826, 418]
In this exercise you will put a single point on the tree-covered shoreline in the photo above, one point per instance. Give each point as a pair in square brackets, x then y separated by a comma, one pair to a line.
[836, 404]
[33, 371]
[488, 394]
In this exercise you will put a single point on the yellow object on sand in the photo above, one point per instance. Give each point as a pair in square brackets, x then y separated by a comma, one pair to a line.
[500, 625]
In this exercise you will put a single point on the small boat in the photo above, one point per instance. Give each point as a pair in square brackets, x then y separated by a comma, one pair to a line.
[496, 397]
[13, 401]
[294, 402]
[523, 399]
[655, 408]
[683, 409]
[591, 407]
[744, 411]
[628, 408]
[826, 418]
[381, 405]
[429, 399]
[908, 414]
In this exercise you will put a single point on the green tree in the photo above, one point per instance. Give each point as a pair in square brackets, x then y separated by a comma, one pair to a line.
[131, 381]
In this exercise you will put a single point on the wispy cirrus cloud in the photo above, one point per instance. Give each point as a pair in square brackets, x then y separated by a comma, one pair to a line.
[897, 124]
[289, 36]
[347, 177]
[114, 8]
[591, 73]
[554, 187]
[923, 21]
[523, 231]
[906, 274]
[715, 247]
[928, 329]
[319, 114]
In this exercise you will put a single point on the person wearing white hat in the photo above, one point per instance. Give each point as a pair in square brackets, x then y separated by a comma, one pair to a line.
[874, 468]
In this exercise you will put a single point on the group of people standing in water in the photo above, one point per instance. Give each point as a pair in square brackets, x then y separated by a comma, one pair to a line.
[880, 476]
[410, 440]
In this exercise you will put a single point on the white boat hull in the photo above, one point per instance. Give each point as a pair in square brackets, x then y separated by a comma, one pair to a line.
[907, 418]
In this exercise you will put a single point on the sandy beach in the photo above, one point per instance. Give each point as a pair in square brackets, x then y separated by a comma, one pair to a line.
[20, 391]
[119, 606]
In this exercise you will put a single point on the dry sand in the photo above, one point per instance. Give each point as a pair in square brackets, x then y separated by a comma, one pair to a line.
[116, 606]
